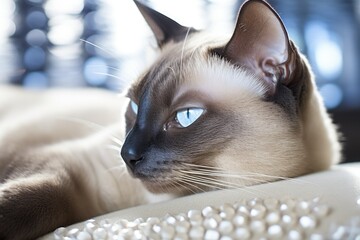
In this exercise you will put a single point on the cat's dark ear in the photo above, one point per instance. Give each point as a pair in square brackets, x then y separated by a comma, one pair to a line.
[165, 29]
[260, 43]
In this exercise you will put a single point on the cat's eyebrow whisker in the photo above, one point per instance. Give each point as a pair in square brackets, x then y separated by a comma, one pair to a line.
[183, 48]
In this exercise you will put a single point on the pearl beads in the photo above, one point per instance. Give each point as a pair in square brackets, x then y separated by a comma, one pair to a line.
[269, 218]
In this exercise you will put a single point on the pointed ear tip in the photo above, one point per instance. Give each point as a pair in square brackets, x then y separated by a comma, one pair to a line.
[139, 4]
[262, 2]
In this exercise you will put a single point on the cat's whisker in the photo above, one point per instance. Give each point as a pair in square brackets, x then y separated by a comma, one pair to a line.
[243, 174]
[217, 184]
[191, 185]
[183, 48]
[193, 52]
[117, 140]
[114, 147]
[99, 47]
[82, 121]
[221, 174]
[90, 124]
[115, 168]
[172, 70]
[109, 75]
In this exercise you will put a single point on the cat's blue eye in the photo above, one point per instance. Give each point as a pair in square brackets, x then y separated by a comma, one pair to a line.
[188, 116]
[134, 106]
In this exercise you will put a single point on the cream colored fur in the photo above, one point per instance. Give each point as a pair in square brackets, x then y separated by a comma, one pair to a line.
[72, 131]
[269, 146]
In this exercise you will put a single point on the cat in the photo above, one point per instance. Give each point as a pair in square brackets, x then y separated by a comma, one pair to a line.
[210, 113]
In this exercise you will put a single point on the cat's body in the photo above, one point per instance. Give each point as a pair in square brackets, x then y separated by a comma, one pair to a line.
[205, 111]
[50, 173]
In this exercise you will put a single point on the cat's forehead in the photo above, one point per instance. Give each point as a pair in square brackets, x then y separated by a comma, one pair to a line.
[193, 69]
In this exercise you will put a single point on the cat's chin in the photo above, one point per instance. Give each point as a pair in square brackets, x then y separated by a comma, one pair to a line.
[158, 187]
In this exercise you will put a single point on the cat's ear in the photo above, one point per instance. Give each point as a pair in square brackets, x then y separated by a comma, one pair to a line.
[260, 43]
[165, 29]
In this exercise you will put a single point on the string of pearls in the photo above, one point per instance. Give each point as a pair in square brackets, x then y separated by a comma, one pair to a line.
[253, 219]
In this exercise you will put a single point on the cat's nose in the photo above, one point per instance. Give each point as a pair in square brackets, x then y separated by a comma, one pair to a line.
[131, 156]
[134, 147]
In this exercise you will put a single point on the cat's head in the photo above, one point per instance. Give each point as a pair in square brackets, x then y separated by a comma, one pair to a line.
[213, 113]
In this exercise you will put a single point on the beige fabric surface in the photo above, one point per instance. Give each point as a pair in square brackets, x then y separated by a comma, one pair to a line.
[338, 188]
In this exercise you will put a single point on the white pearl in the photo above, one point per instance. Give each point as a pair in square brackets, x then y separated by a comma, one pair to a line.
[105, 223]
[339, 233]
[145, 228]
[153, 220]
[209, 211]
[289, 220]
[308, 222]
[195, 217]
[257, 226]
[226, 238]
[275, 232]
[210, 223]
[167, 232]
[181, 236]
[242, 209]
[258, 211]
[196, 232]
[73, 232]
[273, 217]
[227, 211]
[182, 227]
[254, 201]
[84, 236]
[295, 235]
[127, 233]
[315, 236]
[115, 228]
[290, 203]
[90, 226]
[240, 220]
[181, 217]
[99, 234]
[321, 211]
[137, 235]
[211, 234]
[225, 227]
[303, 207]
[170, 219]
[156, 228]
[242, 233]
[59, 233]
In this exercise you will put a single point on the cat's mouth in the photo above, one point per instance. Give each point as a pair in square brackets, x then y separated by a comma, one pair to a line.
[159, 180]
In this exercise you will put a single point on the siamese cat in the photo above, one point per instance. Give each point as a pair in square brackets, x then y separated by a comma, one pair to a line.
[210, 113]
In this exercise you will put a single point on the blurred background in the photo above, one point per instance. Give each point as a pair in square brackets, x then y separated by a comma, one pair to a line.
[106, 44]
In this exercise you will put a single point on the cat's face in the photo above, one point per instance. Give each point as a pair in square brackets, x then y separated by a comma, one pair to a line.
[211, 114]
